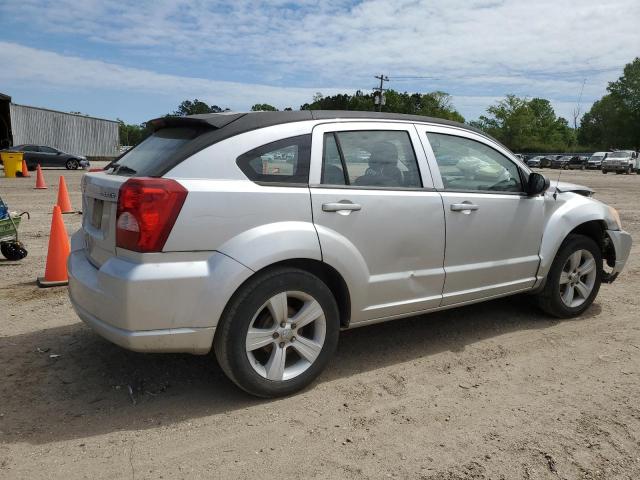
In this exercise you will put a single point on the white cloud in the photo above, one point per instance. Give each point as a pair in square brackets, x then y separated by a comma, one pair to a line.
[476, 48]
[24, 65]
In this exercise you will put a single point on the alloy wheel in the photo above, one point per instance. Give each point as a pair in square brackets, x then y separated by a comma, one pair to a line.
[286, 335]
[578, 278]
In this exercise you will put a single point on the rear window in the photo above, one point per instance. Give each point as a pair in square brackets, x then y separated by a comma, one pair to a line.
[155, 153]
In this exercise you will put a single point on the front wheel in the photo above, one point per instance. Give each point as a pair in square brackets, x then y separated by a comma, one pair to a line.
[574, 279]
[604, 171]
[278, 332]
[72, 164]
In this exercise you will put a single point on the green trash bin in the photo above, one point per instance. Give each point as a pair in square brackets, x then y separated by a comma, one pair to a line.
[12, 162]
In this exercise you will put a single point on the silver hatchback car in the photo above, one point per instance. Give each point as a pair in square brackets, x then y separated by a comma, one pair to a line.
[262, 235]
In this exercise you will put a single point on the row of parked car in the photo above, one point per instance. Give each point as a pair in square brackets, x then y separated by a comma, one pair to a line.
[619, 161]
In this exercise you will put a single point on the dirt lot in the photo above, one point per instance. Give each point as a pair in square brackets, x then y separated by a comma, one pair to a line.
[496, 390]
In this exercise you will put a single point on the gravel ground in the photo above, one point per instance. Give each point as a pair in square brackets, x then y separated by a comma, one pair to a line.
[495, 390]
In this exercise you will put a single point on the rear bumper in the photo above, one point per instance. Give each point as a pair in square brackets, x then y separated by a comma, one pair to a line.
[186, 340]
[163, 303]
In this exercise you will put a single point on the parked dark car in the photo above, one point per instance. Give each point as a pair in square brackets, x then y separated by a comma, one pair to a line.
[561, 161]
[578, 163]
[48, 157]
[546, 161]
[535, 162]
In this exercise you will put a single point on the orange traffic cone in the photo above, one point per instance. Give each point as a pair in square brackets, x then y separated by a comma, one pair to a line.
[55, 273]
[25, 170]
[40, 179]
[63, 197]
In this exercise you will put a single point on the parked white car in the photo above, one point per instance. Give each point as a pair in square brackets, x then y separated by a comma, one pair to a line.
[595, 160]
[203, 237]
[621, 161]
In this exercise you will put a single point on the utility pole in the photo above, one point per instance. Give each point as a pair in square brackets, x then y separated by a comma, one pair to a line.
[380, 90]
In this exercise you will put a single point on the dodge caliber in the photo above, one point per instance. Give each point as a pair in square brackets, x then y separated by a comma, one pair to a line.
[262, 235]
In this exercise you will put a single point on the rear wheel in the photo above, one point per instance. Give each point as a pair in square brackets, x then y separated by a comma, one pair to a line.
[72, 164]
[604, 171]
[278, 332]
[574, 279]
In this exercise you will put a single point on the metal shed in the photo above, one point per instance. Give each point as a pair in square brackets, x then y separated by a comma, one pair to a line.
[71, 133]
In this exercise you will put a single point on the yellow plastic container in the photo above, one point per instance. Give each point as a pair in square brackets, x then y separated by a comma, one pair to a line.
[12, 162]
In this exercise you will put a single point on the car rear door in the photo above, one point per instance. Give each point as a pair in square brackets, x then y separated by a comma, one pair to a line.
[378, 218]
[493, 228]
[31, 155]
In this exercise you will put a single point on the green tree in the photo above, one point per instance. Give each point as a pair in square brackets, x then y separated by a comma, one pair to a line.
[132, 134]
[263, 107]
[527, 125]
[434, 104]
[614, 120]
[195, 107]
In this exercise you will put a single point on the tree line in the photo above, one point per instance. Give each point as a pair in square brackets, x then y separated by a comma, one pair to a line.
[522, 124]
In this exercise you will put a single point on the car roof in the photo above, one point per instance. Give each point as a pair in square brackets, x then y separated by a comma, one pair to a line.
[244, 122]
[221, 126]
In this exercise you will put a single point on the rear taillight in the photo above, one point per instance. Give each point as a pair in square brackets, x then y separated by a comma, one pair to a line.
[147, 210]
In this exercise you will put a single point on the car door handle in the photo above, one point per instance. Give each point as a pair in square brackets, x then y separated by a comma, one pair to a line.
[462, 207]
[340, 206]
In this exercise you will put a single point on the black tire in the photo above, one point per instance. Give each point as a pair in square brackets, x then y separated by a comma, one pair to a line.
[549, 298]
[13, 250]
[230, 339]
[604, 171]
[72, 164]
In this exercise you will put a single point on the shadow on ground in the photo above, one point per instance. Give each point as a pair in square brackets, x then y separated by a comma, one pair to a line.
[66, 382]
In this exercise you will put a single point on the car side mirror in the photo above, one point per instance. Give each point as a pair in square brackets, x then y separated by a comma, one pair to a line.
[538, 184]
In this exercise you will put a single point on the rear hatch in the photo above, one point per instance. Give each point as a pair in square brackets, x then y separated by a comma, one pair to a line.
[173, 140]
[99, 207]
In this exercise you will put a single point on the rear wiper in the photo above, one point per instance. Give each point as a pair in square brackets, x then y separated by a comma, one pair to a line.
[124, 169]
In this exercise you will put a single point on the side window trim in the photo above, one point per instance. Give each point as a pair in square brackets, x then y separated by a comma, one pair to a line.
[433, 164]
[317, 150]
[345, 172]
[343, 163]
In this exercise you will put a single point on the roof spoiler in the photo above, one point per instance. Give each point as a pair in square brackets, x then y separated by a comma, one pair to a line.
[207, 121]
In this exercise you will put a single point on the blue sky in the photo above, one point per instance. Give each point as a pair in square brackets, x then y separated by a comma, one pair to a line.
[136, 60]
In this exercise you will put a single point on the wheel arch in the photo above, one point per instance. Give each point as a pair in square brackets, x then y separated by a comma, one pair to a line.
[325, 272]
[594, 228]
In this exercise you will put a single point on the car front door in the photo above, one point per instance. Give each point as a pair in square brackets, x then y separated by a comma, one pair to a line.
[493, 229]
[379, 220]
[50, 157]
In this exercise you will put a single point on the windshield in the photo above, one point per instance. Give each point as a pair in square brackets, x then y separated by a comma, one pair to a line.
[619, 155]
[153, 152]
[596, 157]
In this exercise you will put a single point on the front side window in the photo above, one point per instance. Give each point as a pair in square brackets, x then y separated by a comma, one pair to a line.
[48, 150]
[370, 158]
[468, 165]
[284, 161]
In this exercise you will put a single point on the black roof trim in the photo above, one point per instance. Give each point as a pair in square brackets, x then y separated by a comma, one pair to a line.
[253, 120]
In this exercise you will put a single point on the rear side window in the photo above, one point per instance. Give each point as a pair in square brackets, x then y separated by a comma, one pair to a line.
[285, 161]
[155, 152]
